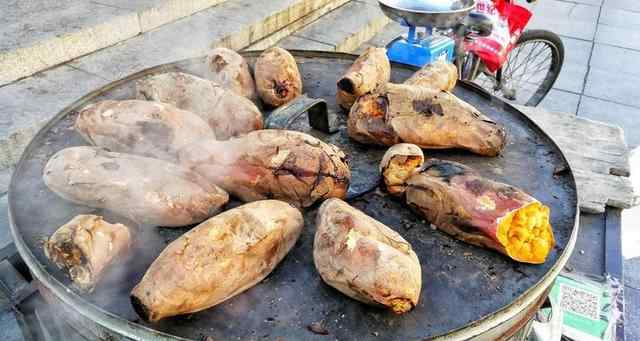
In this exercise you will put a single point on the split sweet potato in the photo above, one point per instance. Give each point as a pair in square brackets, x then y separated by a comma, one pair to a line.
[145, 128]
[367, 74]
[229, 69]
[145, 190]
[479, 211]
[217, 259]
[278, 80]
[227, 113]
[85, 247]
[272, 164]
[398, 164]
[439, 75]
[365, 259]
[429, 118]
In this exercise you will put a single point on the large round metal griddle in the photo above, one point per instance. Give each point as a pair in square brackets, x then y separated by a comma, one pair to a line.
[464, 288]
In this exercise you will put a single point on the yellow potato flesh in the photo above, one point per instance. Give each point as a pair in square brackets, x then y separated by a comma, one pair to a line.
[526, 233]
[400, 169]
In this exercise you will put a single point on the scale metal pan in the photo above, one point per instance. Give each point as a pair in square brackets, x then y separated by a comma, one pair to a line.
[441, 14]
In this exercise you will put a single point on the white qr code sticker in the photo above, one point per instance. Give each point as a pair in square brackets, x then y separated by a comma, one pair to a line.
[580, 302]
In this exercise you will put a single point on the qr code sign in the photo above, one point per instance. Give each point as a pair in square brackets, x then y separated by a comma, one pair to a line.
[580, 302]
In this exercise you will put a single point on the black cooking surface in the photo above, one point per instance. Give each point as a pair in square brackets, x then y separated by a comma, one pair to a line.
[461, 283]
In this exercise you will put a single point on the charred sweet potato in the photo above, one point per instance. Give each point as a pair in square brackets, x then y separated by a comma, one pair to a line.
[217, 259]
[143, 128]
[272, 164]
[227, 113]
[148, 191]
[86, 246]
[278, 80]
[229, 69]
[398, 164]
[480, 211]
[368, 73]
[440, 75]
[365, 259]
[429, 118]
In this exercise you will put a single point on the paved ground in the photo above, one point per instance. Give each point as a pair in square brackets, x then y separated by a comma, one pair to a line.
[602, 61]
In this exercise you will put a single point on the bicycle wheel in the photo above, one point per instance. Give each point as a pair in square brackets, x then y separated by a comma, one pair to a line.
[530, 70]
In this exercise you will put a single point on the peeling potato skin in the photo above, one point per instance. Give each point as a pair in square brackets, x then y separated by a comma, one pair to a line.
[425, 117]
[278, 80]
[229, 69]
[462, 203]
[364, 259]
[144, 128]
[440, 75]
[148, 191]
[217, 259]
[400, 154]
[368, 73]
[272, 164]
[227, 113]
[85, 247]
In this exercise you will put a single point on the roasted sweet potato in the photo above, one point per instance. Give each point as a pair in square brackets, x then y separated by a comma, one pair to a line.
[227, 113]
[217, 259]
[398, 164]
[480, 211]
[440, 75]
[365, 259]
[143, 128]
[367, 74]
[86, 246]
[277, 77]
[429, 118]
[272, 164]
[231, 71]
[148, 191]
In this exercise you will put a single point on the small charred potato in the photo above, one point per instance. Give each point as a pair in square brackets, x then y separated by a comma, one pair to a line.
[148, 191]
[227, 113]
[368, 73]
[431, 119]
[272, 164]
[217, 259]
[277, 77]
[440, 75]
[85, 246]
[480, 211]
[364, 259]
[143, 128]
[398, 164]
[231, 71]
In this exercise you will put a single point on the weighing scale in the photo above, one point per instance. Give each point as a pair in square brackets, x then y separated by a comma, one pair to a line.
[420, 46]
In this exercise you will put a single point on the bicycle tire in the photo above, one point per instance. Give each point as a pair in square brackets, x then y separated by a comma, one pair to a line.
[557, 60]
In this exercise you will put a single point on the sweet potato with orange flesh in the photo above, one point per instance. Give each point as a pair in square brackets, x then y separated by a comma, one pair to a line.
[145, 190]
[278, 80]
[368, 73]
[145, 128]
[365, 259]
[480, 211]
[429, 118]
[227, 113]
[398, 164]
[272, 164]
[86, 246]
[229, 69]
[217, 259]
[440, 75]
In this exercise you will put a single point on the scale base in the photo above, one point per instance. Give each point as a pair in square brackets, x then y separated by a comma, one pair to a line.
[420, 52]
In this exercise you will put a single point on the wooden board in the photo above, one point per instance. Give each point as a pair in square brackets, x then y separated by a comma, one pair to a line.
[598, 156]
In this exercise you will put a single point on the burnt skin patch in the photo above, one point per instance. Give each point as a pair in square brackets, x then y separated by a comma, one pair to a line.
[346, 85]
[476, 186]
[219, 63]
[281, 89]
[155, 131]
[111, 166]
[444, 170]
[427, 107]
